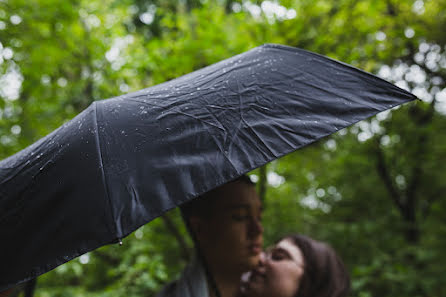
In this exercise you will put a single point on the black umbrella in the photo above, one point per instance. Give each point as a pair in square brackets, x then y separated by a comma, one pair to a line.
[124, 161]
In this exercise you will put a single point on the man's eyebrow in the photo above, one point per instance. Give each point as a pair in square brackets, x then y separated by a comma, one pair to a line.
[235, 206]
[241, 205]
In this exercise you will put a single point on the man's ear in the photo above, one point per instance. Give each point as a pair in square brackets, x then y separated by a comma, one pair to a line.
[196, 226]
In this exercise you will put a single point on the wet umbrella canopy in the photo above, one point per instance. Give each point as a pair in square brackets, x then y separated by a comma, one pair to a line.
[124, 161]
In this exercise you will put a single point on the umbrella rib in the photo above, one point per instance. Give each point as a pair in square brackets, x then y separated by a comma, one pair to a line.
[104, 179]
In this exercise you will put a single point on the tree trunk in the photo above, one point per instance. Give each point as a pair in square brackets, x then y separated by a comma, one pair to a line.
[30, 287]
[262, 183]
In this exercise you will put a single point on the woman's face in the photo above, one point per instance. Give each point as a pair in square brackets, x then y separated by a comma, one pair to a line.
[279, 272]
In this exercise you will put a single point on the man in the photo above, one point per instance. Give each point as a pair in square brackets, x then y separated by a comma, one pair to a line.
[225, 224]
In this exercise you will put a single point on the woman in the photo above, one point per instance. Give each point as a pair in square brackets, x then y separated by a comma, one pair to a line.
[298, 266]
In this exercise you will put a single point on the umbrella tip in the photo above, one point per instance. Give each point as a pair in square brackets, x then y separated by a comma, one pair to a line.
[120, 241]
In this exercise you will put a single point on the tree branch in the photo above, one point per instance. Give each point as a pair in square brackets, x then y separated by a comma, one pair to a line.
[106, 258]
[426, 209]
[385, 177]
[262, 183]
[30, 287]
[391, 10]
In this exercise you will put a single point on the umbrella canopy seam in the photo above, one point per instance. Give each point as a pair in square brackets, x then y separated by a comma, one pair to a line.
[101, 165]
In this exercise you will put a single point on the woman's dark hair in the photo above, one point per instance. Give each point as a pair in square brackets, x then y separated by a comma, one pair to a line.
[324, 274]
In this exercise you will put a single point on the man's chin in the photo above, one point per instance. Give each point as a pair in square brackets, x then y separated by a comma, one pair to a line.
[252, 262]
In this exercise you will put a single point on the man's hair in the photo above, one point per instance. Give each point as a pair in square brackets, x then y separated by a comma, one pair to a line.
[201, 205]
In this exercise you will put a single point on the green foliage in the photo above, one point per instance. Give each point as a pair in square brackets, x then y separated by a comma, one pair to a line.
[373, 191]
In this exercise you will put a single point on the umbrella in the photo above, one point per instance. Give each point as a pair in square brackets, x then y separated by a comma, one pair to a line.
[124, 161]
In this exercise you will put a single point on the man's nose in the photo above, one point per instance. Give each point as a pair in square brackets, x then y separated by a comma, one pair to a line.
[262, 262]
[256, 227]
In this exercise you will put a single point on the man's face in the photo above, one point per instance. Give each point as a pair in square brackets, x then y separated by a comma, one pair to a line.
[231, 236]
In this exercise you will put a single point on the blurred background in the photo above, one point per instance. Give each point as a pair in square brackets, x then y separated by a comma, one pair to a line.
[374, 191]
